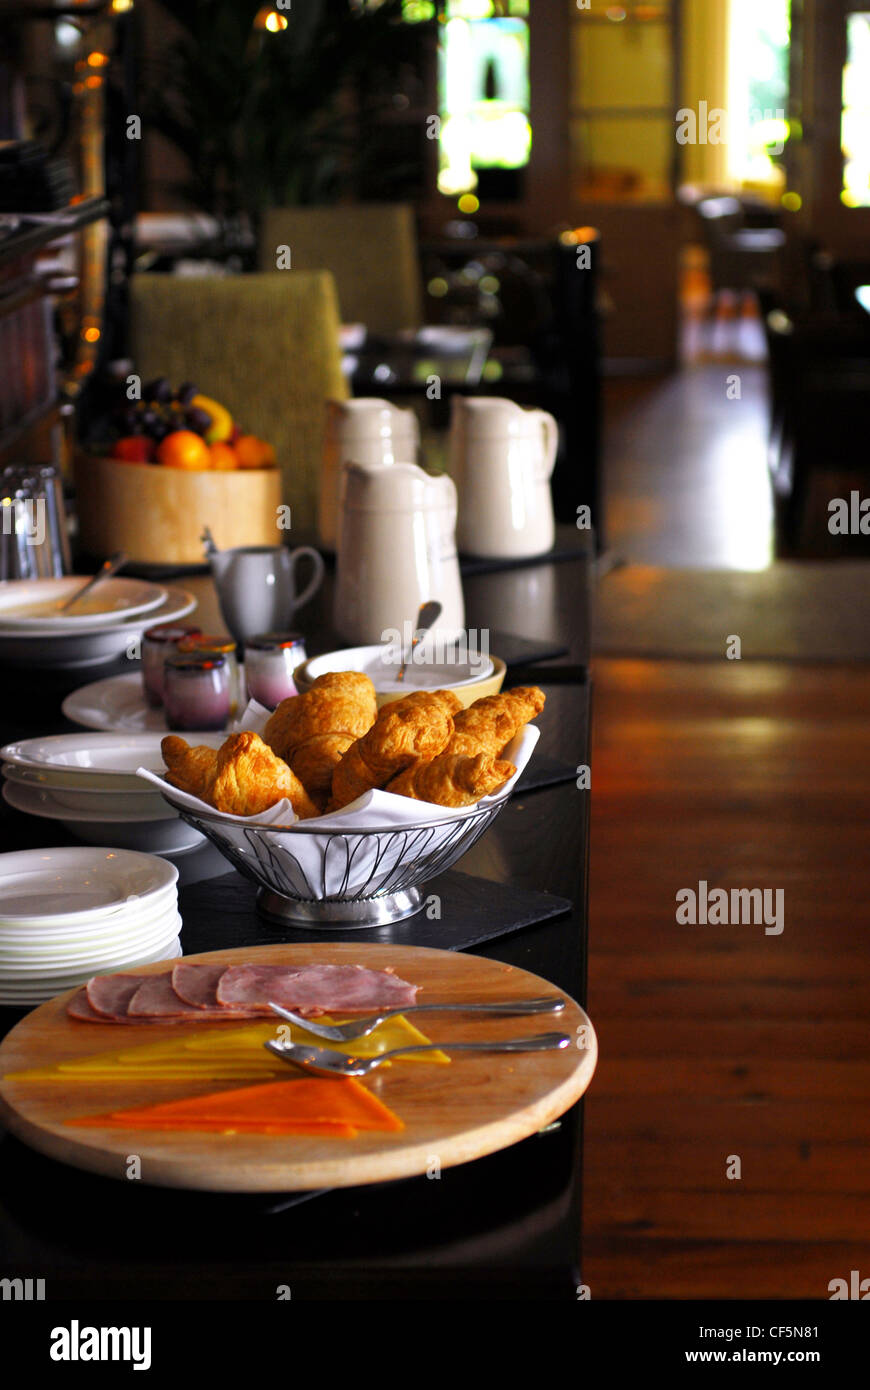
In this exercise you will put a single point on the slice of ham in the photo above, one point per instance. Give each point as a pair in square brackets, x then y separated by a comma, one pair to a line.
[213, 993]
[314, 989]
[197, 984]
[155, 998]
[109, 995]
[79, 1007]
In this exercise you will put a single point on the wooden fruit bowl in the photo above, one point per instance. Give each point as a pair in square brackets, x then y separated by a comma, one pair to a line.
[157, 514]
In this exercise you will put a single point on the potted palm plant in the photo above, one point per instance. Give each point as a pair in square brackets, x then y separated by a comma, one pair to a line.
[270, 106]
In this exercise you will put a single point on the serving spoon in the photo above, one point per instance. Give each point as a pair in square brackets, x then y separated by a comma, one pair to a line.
[106, 570]
[362, 1027]
[324, 1062]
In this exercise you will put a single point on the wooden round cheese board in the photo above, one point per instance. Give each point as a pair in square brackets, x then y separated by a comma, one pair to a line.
[478, 1104]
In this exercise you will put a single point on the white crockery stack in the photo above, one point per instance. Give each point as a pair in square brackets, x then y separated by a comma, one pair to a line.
[68, 914]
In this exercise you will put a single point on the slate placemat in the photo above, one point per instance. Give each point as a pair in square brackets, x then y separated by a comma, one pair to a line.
[220, 913]
[544, 772]
[523, 651]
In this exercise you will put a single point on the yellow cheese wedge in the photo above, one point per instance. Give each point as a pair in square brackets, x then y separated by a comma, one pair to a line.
[226, 1054]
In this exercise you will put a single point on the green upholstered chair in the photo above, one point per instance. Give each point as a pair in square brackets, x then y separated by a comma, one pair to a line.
[371, 250]
[266, 346]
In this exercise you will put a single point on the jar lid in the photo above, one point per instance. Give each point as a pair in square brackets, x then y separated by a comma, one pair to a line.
[196, 661]
[171, 632]
[273, 641]
[201, 642]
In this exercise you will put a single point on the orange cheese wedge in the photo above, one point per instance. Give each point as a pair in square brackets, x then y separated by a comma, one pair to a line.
[309, 1105]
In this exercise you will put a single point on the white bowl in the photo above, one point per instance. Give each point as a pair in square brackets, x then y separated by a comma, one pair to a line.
[153, 834]
[75, 650]
[102, 761]
[94, 802]
[380, 664]
[35, 605]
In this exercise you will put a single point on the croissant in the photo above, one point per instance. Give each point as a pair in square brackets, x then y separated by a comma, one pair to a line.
[489, 724]
[191, 769]
[311, 731]
[243, 778]
[405, 731]
[452, 779]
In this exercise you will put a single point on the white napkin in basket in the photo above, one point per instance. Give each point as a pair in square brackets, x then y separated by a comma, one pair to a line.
[374, 809]
[361, 861]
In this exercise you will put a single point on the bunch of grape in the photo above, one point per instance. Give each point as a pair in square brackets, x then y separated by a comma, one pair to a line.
[161, 411]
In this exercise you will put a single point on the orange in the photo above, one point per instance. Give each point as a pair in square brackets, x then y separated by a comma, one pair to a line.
[253, 452]
[184, 449]
[134, 448]
[223, 457]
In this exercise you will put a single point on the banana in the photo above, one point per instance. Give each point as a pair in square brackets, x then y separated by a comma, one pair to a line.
[221, 426]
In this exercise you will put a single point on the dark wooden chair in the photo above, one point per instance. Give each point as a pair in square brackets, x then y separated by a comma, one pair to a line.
[819, 368]
[743, 259]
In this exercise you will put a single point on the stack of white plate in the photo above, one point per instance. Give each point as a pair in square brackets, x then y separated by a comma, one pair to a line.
[88, 782]
[68, 914]
[35, 633]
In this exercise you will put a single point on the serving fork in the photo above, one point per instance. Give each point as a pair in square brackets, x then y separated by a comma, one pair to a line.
[361, 1027]
[324, 1062]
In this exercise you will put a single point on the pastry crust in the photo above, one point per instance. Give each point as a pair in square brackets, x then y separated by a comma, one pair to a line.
[406, 731]
[310, 732]
[452, 779]
[489, 724]
[242, 778]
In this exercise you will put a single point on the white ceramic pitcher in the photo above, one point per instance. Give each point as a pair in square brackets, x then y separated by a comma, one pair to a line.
[369, 430]
[501, 459]
[397, 550]
[256, 586]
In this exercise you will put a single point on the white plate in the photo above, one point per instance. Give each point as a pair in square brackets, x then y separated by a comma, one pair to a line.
[119, 703]
[428, 675]
[67, 650]
[97, 932]
[57, 962]
[153, 834]
[43, 886]
[103, 761]
[113, 601]
[35, 941]
[95, 802]
[26, 995]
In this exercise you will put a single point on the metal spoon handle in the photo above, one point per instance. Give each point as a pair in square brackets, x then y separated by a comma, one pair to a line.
[512, 1007]
[106, 570]
[548, 1004]
[428, 614]
[542, 1042]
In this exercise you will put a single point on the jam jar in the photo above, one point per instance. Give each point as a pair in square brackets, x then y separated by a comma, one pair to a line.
[270, 660]
[196, 690]
[218, 646]
[158, 643]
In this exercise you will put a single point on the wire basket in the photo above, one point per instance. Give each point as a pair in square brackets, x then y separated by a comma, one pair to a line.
[343, 878]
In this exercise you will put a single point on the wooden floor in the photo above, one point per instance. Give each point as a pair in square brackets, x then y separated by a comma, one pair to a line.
[722, 1040]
